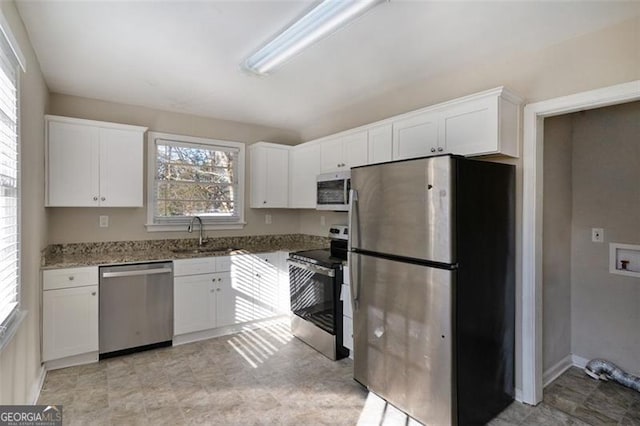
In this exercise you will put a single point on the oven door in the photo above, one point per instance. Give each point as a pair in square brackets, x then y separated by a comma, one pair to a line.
[313, 294]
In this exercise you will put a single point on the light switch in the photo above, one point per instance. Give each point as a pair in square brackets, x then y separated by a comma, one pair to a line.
[104, 221]
[267, 219]
[597, 235]
[323, 221]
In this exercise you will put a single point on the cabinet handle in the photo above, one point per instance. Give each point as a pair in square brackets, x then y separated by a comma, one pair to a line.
[93, 293]
[440, 149]
[218, 289]
[102, 199]
[433, 150]
[264, 202]
[95, 198]
[71, 278]
[219, 279]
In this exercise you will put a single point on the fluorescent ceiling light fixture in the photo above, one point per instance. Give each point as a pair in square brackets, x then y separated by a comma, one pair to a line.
[320, 21]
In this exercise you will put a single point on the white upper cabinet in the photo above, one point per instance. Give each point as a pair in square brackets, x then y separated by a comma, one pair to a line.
[269, 175]
[304, 162]
[344, 152]
[489, 125]
[480, 124]
[416, 136]
[93, 164]
[486, 123]
[380, 144]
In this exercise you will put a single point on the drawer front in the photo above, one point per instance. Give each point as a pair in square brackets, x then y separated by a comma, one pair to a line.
[53, 279]
[201, 265]
[223, 263]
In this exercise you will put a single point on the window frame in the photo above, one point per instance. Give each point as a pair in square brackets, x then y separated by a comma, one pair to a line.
[9, 325]
[210, 223]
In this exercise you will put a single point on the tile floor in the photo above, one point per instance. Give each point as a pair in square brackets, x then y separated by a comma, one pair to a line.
[267, 377]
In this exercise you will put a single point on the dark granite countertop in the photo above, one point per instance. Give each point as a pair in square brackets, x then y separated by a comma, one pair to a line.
[119, 252]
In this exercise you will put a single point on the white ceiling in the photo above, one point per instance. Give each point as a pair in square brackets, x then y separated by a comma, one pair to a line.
[184, 55]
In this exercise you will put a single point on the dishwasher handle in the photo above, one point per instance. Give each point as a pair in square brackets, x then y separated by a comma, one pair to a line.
[136, 273]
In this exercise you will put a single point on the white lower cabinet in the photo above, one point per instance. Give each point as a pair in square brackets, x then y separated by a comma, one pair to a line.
[243, 288]
[202, 302]
[69, 312]
[194, 303]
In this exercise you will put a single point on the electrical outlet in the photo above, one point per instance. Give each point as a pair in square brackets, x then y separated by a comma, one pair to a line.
[267, 219]
[104, 221]
[323, 221]
[597, 235]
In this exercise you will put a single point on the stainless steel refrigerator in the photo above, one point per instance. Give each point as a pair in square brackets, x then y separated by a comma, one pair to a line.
[432, 262]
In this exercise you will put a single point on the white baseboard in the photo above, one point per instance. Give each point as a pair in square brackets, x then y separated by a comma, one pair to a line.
[578, 361]
[37, 386]
[72, 361]
[556, 370]
[519, 395]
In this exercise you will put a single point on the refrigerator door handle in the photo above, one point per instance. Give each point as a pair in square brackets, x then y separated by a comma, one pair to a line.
[354, 285]
[353, 219]
[354, 280]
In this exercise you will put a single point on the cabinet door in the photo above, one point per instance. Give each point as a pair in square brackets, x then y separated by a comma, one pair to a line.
[331, 156]
[380, 144]
[231, 302]
[258, 170]
[242, 284]
[121, 168]
[355, 149]
[304, 170]
[284, 292]
[269, 177]
[415, 136]
[72, 165]
[265, 270]
[193, 303]
[470, 128]
[69, 322]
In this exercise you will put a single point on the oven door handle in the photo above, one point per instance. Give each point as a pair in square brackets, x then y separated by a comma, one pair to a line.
[313, 268]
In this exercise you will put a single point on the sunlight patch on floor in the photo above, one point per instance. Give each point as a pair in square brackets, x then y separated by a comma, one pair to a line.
[377, 412]
[257, 345]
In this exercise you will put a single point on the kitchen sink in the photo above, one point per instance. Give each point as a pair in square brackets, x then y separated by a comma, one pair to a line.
[199, 250]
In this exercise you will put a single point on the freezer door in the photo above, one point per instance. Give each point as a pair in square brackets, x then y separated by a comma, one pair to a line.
[403, 335]
[405, 208]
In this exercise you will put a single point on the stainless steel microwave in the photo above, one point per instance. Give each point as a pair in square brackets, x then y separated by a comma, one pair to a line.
[333, 191]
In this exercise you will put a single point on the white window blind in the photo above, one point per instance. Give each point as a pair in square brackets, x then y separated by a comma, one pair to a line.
[9, 189]
[196, 179]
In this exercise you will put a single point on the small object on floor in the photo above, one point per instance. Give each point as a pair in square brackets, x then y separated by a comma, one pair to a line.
[601, 369]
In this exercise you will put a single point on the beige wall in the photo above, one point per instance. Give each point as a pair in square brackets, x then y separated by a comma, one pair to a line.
[20, 361]
[67, 225]
[606, 194]
[556, 234]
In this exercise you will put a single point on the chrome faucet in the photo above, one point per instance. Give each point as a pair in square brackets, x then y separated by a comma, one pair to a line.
[201, 240]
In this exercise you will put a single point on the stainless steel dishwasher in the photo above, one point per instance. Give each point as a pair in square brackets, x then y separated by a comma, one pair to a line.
[136, 307]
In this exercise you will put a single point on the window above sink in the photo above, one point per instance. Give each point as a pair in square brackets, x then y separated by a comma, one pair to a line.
[190, 176]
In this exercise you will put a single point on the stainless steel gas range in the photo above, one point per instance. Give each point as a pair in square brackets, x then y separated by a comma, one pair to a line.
[315, 278]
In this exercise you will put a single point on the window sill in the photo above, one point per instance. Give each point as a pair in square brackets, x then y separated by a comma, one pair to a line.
[154, 227]
[6, 337]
